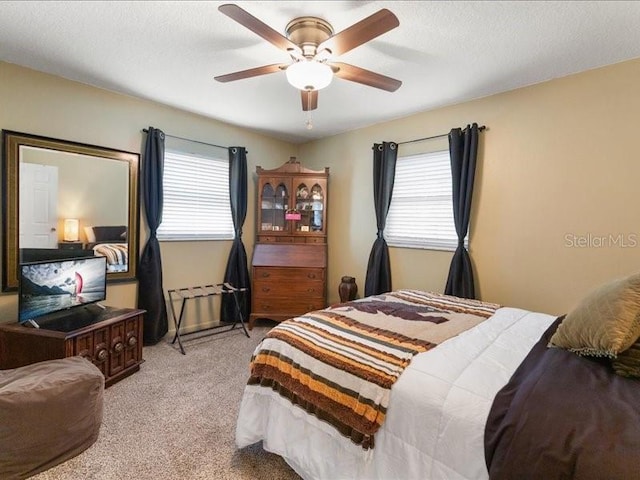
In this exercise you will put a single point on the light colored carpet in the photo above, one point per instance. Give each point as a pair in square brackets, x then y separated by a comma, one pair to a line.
[175, 418]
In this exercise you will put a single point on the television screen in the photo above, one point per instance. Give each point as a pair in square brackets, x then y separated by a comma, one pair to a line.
[51, 286]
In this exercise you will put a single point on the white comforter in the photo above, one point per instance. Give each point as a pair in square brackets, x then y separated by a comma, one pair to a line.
[434, 427]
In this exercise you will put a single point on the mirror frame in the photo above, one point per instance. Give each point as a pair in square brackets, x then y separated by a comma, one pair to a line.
[12, 141]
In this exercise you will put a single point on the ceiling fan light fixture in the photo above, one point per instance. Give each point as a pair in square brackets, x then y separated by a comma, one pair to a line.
[309, 75]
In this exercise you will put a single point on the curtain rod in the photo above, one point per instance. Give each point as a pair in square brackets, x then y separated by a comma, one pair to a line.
[435, 136]
[189, 140]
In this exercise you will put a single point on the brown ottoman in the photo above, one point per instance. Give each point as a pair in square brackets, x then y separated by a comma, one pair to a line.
[49, 412]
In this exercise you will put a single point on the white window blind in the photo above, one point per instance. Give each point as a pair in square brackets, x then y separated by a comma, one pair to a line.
[421, 210]
[196, 198]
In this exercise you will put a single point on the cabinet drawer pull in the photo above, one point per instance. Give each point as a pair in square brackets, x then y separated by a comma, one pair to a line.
[265, 274]
[266, 289]
[311, 290]
[118, 347]
[312, 275]
[102, 355]
[132, 341]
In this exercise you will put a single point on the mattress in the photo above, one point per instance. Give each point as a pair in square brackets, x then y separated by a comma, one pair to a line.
[434, 427]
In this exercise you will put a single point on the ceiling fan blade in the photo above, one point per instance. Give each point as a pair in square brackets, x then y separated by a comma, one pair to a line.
[309, 99]
[252, 72]
[361, 32]
[366, 77]
[258, 27]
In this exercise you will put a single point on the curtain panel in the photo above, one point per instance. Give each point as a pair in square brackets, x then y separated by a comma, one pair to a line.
[150, 290]
[237, 272]
[463, 149]
[378, 278]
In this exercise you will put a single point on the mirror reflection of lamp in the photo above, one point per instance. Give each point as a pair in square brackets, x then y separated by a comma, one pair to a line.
[71, 228]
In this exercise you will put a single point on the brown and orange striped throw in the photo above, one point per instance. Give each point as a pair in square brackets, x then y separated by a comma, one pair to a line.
[340, 363]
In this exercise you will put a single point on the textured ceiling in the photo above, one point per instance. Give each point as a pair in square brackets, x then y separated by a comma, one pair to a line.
[443, 52]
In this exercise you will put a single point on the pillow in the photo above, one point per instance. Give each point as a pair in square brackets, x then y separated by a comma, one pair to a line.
[91, 237]
[110, 233]
[605, 323]
[627, 363]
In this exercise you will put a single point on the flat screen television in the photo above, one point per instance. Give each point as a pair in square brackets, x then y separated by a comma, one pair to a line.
[51, 286]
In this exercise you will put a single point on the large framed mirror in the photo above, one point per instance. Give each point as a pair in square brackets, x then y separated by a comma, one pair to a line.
[63, 199]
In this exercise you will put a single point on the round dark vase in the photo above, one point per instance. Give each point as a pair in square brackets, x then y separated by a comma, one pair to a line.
[347, 289]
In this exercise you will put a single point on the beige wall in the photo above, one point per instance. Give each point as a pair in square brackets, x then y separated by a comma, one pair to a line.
[50, 106]
[558, 160]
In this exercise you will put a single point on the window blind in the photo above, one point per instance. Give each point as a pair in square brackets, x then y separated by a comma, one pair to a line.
[196, 198]
[421, 210]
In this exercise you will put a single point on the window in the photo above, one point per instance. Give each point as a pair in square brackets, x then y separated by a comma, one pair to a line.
[421, 210]
[196, 198]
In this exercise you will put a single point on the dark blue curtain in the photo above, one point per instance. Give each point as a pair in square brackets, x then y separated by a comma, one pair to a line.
[237, 272]
[378, 278]
[463, 149]
[150, 293]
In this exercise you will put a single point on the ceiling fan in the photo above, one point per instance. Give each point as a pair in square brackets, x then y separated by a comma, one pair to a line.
[311, 43]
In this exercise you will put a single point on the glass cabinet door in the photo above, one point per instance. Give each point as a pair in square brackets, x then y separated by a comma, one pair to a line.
[274, 202]
[310, 204]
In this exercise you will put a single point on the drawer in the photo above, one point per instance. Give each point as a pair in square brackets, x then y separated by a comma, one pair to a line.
[284, 240]
[284, 274]
[305, 289]
[70, 246]
[315, 240]
[267, 238]
[287, 306]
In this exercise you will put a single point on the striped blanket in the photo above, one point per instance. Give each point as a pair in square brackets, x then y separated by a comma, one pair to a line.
[340, 363]
[116, 253]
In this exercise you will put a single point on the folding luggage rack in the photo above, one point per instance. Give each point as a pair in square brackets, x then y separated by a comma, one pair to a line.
[203, 291]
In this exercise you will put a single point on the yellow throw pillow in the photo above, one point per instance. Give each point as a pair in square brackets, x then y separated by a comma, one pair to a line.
[605, 323]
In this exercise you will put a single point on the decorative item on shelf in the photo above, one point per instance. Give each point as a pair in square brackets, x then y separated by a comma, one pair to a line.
[292, 215]
[303, 192]
[71, 228]
[316, 192]
[347, 289]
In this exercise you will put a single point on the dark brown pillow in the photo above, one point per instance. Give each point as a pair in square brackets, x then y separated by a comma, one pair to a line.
[627, 363]
[605, 323]
[110, 233]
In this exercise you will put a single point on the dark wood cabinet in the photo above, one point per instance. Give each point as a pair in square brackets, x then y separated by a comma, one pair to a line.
[111, 339]
[290, 254]
[71, 245]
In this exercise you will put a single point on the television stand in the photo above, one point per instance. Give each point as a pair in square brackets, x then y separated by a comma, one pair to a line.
[110, 337]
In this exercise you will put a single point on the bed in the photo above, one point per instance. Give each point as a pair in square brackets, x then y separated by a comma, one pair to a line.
[109, 241]
[462, 400]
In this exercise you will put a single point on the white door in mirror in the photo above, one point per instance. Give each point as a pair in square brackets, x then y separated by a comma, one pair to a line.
[38, 206]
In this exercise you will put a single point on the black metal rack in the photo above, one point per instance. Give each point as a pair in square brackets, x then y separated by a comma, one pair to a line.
[201, 292]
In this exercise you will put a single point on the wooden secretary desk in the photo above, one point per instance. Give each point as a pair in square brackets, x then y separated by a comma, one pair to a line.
[290, 255]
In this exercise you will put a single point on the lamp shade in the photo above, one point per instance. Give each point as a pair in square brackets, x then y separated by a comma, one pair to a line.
[71, 227]
[309, 75]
